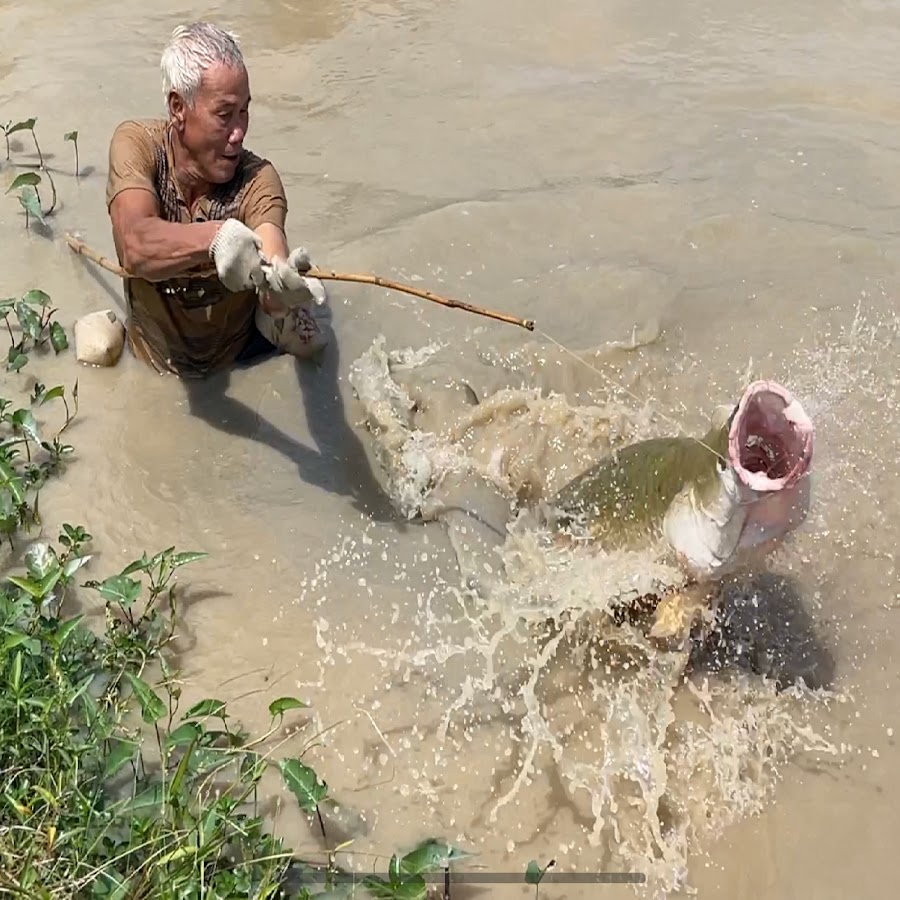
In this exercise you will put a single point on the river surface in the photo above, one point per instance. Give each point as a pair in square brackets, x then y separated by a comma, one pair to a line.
[720, 181]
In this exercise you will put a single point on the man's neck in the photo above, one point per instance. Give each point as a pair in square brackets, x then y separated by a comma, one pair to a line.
[192, 185]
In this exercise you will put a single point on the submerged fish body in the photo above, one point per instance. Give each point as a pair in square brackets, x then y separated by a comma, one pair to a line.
[739, 489]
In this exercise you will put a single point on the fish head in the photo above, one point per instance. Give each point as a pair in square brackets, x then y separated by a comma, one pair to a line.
[761, 454]
[770, 448]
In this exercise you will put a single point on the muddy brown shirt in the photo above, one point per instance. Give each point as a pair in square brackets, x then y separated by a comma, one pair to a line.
[190, 325]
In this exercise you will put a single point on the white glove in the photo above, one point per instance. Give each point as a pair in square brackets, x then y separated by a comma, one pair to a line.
[289, 285]
[236, 253]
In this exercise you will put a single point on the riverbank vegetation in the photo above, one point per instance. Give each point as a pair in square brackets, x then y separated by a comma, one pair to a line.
[108, 788]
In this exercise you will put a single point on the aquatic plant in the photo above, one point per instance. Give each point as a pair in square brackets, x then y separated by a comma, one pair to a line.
[534, 874]
[27, 182]
[73, 137]
[107, 789]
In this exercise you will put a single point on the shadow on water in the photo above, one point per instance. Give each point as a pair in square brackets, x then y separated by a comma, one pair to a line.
[764, 627]
[337, 464]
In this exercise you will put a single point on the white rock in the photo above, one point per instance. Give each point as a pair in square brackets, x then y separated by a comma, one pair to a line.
[99, 338]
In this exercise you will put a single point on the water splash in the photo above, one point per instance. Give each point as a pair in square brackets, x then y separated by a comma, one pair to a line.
[655, 761]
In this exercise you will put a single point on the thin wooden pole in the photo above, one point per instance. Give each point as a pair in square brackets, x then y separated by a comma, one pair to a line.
[78, 246]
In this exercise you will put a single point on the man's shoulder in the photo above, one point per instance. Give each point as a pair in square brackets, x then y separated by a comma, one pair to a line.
[148, 130]
[255, 166]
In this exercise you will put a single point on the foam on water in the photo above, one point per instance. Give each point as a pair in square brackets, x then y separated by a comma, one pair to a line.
[656, 758]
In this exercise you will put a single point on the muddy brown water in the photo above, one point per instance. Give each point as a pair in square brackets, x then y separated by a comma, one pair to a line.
[726, 172]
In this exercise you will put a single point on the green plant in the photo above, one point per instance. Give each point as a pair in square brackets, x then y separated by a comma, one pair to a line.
[34, 312]
[24, 125]
[27, 182]
[87, 806]
[534, 874]
[73, 137]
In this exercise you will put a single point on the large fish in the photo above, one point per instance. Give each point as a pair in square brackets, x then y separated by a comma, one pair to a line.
[715, 502]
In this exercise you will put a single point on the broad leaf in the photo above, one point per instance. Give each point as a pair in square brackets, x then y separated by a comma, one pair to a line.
[30, 202]
[58, 339]
[29, 585]
[29, 320]
[70, 136]
[182, 559]
[122, 753]
[36, 296]
[430, 856]
[280, 706]
[52, 394]
[303, 783]
[120, 589]
[25, 125]
[206, 708]
[152, 707]
[40, 560]
[26, 178]
[24, 421]
[184, 734]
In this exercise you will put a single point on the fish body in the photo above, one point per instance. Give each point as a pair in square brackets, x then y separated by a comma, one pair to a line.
[738, 489]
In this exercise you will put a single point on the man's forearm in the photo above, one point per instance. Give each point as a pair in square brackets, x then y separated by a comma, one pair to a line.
[156, 250]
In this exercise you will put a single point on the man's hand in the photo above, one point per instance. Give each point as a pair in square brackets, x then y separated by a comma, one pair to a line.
[236, 253]
[289, 285]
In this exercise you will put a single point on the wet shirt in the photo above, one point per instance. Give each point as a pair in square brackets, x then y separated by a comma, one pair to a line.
[190, 325]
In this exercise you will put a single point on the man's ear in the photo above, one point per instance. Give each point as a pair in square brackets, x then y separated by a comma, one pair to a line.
[176, 109]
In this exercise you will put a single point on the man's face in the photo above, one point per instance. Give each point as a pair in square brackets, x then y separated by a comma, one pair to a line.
[213, 131]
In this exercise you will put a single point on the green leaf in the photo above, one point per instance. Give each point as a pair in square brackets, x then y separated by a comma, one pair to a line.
[253, 765]
[36, 296]
[12, 481]
[17, 359]
[29, 585]
[70, 136]
[206, 708]
[58, 339]
[430, 856]
[52, 394]
[122, 753]
[412, 889]
[120, 589]
[25, 125]
[280, 706]
[74, 564]
[41, 560]
[152, 707]
[85, 684]
[184, 734]
[29, 201]
[533, 873]
[12, 641]
[303, 783]
[65, 629]
[139, 565]
[24, 421]
[26, 178]
[182, 559]
[29, 320]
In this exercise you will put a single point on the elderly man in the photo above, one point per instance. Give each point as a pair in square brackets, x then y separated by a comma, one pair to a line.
[199, 222]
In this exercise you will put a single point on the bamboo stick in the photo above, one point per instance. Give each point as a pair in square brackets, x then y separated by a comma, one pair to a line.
[78, 246]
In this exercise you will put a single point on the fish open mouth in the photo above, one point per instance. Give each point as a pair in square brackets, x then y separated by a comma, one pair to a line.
[770, 441]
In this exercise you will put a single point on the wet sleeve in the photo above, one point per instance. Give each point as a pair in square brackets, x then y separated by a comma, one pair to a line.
[132, 163]
[264, 199]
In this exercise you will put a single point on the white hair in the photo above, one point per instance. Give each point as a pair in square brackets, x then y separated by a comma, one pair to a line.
[191, 50]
